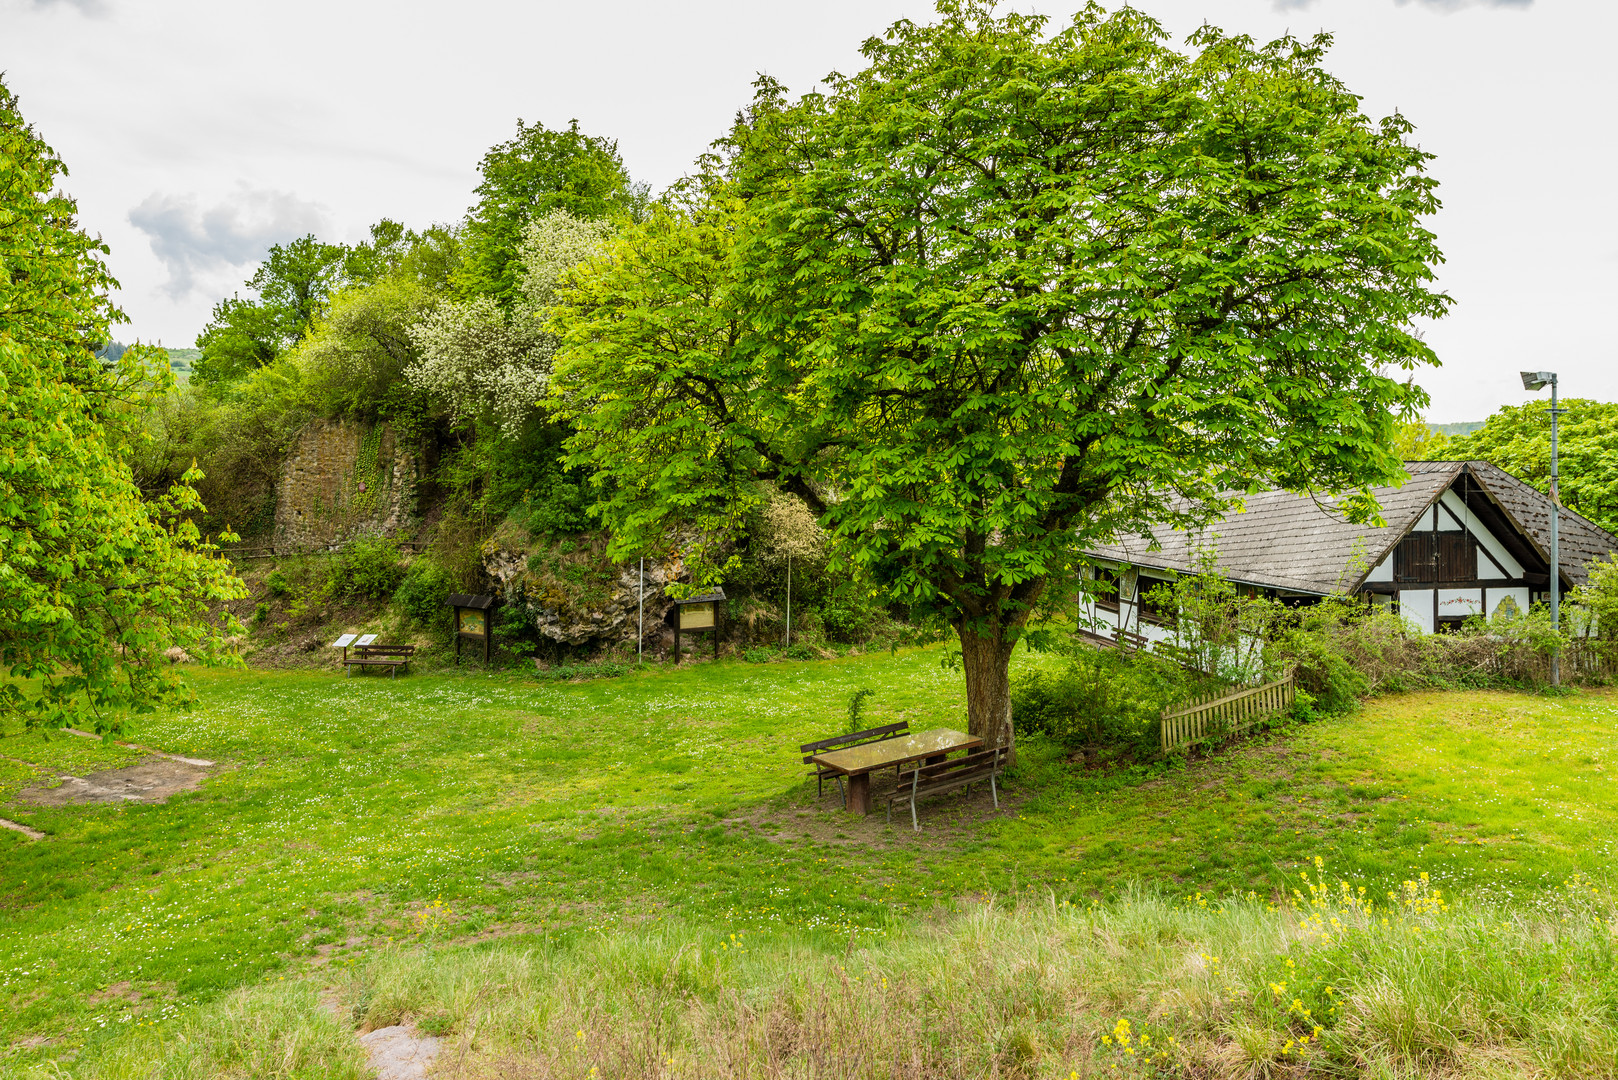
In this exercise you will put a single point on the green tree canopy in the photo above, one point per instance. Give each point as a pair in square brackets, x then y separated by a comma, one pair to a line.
[95, 581]
[1002, 294]
[1518, 439]
[524, 179]
[293, 285]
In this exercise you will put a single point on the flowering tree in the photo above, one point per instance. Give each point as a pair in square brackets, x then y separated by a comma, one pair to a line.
[487, 362]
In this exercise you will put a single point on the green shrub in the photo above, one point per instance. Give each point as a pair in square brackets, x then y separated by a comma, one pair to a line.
[277, 583]
[856, 709]
[369, 569]
[1099, 702]
[851, 617]
[423, 596]
[1323, 671]
[799, 652]
[761, 654]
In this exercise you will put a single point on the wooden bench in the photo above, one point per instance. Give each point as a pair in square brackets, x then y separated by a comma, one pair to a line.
[1129, 642]
[947, 776]
[392, 657]
[839, 742]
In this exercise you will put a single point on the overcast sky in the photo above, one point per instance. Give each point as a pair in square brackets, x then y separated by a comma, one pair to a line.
[199, 132]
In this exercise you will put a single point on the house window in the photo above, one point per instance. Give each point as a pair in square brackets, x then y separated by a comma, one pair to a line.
[1416, 558]
[1104, 591]
[1433, 557]
[1457, 557]
[1151, 610]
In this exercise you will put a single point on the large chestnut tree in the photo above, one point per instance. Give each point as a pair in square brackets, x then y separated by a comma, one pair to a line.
[1004, 293]
[96, 581]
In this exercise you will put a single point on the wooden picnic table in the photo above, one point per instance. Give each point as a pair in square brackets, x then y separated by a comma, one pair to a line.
[859, 762]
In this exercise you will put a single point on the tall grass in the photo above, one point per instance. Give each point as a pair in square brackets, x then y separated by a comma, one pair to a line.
[1328, 982]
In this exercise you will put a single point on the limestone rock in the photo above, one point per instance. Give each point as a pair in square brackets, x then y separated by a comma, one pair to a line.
[567, 618]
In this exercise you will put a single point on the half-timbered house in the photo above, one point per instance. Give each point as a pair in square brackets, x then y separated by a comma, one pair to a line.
[1462, 538]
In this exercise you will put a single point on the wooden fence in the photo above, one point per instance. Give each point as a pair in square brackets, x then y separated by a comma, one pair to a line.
[406, 547]
[1226, 714]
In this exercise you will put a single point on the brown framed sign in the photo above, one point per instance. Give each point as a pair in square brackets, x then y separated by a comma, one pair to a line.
[474, 622]
[696, 615]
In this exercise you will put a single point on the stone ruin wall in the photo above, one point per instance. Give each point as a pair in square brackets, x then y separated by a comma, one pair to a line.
[342, 481]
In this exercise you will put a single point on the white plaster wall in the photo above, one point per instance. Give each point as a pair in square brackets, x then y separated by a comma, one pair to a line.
[1416, 607]
[1382, 571]
[1153, 632]
[1493, 597]
[1454, 602]
[1485, 539]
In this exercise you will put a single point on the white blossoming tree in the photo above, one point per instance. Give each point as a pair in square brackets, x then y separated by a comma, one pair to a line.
[493, 364]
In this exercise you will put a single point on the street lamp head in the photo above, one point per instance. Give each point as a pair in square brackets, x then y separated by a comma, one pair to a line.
[1537, 380]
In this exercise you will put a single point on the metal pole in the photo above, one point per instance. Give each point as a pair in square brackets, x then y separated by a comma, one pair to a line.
[786, 640]
[640, 617]
[1556, 554]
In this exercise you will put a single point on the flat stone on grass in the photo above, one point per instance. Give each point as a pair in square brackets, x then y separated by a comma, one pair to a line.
[151, 781]
[398, 1053]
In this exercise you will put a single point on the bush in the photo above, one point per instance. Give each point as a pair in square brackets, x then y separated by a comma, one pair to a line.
[1100, 701]
[1322, 670]
[850, 617]
[278, 584]
[368, 569]
[423, 596]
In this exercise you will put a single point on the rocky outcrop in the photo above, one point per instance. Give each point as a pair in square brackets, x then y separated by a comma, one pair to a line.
[341, 481]
[595, 605]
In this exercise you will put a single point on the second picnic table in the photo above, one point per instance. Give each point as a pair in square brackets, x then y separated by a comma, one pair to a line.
[859, 762]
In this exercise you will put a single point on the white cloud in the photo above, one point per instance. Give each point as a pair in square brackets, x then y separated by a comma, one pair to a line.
[195, 243]
[93, 8]
[1439, 5]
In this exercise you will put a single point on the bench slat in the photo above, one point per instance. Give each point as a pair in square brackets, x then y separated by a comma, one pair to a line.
[945, 776]
[874, 734]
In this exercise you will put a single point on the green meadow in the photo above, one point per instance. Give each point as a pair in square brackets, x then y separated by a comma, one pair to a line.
[353, 821]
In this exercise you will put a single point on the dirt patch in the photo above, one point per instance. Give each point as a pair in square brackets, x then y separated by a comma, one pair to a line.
[119, 991]
[32, 834]
[151, 781]
[946, 820]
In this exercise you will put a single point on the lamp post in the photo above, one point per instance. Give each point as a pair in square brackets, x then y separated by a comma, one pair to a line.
[1538, 380]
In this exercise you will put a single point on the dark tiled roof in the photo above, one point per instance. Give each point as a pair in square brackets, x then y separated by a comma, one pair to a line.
[1581, 539]
[1295, 542]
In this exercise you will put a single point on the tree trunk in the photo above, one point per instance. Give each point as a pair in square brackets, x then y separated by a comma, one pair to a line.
[987, 660]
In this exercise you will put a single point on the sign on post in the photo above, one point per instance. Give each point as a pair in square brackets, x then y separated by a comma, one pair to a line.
[473, 623]
[698, 614]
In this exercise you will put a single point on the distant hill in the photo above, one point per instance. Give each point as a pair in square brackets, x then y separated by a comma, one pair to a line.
[1465, 427]
[180, 360]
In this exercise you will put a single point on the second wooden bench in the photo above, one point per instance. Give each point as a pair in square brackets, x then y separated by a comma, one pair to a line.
[978, 766]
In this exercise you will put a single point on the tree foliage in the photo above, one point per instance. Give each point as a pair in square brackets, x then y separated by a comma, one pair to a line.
[1518, 439]
[526, 178]
[1004, 293]
[492, 363]
[95, 580]
[1416, 440]
[295, 284]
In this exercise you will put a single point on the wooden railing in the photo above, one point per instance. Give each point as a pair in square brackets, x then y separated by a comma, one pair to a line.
[406, 547]
[1225, 714]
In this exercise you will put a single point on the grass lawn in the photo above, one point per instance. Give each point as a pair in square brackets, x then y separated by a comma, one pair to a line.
[354, 814]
